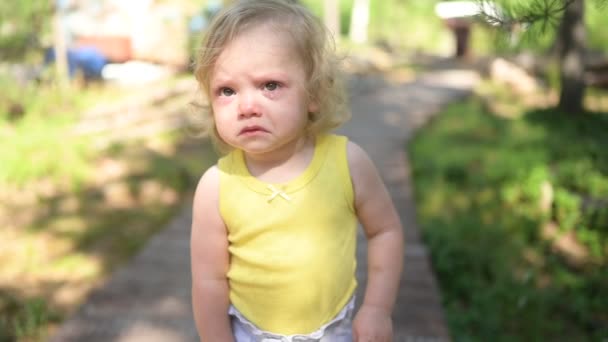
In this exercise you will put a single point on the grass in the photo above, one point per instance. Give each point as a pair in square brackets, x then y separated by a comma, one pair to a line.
[515, 212]
[50, 149]
[55, 248]
[72, 212]
[36, 132]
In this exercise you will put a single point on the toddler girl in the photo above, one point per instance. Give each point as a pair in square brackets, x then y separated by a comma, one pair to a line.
[274, 222]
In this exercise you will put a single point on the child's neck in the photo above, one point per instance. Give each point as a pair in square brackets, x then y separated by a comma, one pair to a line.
[284, 164]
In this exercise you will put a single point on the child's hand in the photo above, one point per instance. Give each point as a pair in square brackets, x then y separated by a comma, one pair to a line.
[372, 324]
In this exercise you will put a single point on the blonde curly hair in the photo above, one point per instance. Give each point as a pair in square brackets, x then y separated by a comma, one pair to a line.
[312, 42]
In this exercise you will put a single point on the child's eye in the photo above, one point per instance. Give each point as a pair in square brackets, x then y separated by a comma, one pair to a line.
[271, 86]
[226, 92]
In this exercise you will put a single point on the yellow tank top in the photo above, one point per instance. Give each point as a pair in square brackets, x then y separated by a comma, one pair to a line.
[292, 245]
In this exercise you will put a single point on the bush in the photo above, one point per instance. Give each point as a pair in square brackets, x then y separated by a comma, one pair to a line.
[22, 24]
[479, 183]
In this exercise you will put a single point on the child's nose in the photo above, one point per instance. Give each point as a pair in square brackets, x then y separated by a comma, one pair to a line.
[248, 105]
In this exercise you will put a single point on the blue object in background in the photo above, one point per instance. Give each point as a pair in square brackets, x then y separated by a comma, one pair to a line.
[62, 5]
[87, 59]
[200, 21]
[197, 24]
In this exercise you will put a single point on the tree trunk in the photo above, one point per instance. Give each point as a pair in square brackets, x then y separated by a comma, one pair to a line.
[359, 21]
[332, 17]
[572, 42]
[60, 48]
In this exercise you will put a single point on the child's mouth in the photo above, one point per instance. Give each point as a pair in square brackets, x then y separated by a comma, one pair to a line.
[252, 130]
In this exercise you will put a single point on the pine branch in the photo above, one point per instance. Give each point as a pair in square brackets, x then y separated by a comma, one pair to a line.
[543, 13]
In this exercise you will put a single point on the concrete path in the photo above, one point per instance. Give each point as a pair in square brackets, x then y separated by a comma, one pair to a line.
[148, 300]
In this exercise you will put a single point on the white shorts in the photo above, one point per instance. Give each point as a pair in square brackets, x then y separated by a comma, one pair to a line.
[338, 329]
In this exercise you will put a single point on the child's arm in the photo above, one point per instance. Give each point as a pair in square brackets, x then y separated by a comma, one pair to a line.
[382, 227]
[209, 262]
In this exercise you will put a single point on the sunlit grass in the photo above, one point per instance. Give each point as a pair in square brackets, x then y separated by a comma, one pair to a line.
[58, 248]
[38, 148]
[40, 143]
[480, 184]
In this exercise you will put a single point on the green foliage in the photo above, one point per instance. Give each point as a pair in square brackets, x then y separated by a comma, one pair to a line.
[22, 25]
[478, 181]
[533, 24]
[37, 138]
[316, 7]
[414, 25]
[406, 24]
[101, 234]
[37, 149]
[22, 319]
[35, 314]
[41, 143]
[567, 209]
[597, 35]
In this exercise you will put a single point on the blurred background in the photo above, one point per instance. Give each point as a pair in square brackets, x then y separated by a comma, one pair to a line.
[97, 152]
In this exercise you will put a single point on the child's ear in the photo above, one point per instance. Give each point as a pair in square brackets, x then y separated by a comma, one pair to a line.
[313, 106]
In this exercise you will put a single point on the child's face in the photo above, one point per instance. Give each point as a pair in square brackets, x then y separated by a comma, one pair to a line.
[258, 92]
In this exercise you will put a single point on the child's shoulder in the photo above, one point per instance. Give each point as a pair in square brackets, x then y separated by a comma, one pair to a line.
[355, 153]
[361, 166]
[209, 181]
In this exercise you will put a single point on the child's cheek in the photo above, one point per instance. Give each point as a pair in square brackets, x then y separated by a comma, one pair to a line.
[274, 95]
[222, 101]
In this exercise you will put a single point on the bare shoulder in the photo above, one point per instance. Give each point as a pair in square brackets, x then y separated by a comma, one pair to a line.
[206, 198]
[364, 174]
[359, 162]
[357, 157]
[373, 203]
[209, 183]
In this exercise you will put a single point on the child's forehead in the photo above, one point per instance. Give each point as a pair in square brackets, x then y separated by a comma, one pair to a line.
[258, 51]
[276, 30]
[262, 39]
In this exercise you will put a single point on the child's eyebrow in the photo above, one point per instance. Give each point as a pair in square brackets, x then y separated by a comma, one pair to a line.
[219, 78]
[278, 75]
[261, 76]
